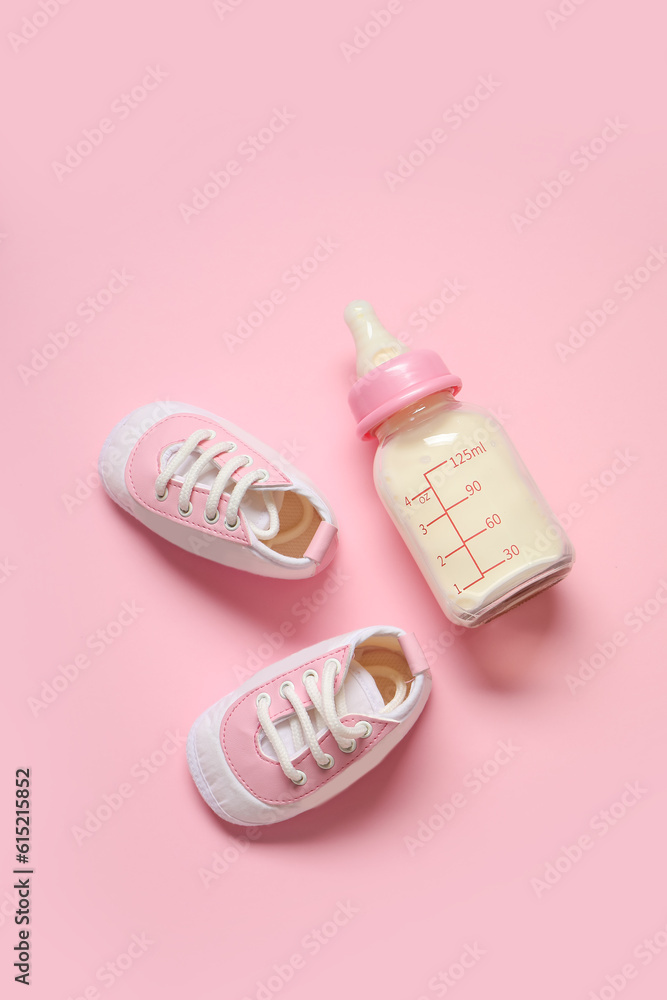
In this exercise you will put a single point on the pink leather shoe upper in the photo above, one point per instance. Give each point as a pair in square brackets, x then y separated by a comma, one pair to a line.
[323, 543]
[143, 469]
[261, 775]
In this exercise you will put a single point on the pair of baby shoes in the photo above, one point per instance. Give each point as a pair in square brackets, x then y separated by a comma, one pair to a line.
[304, 729]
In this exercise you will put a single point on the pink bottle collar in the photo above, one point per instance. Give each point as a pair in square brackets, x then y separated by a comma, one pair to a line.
[397, 383]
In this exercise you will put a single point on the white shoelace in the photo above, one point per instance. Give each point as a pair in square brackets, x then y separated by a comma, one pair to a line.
[325, 706]
[211, 512]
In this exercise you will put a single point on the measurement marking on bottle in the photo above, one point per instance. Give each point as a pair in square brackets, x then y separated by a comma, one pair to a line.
[463, 456]
[447, 510]
[452, 506]
[491, 521]
[476, 534]
[462, 546]
[495, 566]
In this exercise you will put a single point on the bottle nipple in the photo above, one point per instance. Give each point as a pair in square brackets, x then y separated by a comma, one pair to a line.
[374, 344]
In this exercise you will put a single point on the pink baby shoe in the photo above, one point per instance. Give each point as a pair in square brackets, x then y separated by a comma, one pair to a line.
[210, 488]
[304, 729]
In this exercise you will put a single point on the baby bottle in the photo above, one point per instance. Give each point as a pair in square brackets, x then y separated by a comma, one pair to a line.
[450, 479]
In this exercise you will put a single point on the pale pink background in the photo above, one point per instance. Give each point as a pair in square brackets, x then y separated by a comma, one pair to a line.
[163, 337]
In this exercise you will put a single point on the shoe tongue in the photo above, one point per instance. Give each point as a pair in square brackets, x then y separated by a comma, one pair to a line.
[254, 507]
[360, 696]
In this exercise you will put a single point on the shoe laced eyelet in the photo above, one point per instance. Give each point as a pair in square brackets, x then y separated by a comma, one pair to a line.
[301, 779]
[162, 496]
[310, 673]
[232, 447]
[263, 698]
[329, 763]
[286, 686]
[265, 476]
[369, 730]
[351, 748]
[234, 526]
[185, 513]
[212, 520]
[332, 659]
